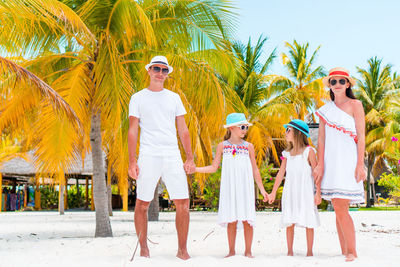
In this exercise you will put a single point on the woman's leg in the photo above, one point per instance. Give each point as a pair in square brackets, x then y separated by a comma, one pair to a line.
[310, 240]
[231, 229]
[345, 222]
[289, 239]
[343, 245]
[248, 238]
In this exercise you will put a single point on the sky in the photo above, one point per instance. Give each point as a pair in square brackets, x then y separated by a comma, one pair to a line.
[349, 32]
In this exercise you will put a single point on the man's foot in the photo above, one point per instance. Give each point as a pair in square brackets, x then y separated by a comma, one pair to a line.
[144, 252]
[248, 255]
[290, 253]
[310, 254]
[183, 255]
[230, 254]
[350, 257]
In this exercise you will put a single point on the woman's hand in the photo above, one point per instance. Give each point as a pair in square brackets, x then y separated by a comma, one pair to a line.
[360, 173]
[318, 173]
[317, 199]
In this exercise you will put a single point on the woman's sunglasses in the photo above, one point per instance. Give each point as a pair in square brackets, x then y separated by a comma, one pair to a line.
[287, 130]
[158, 69]
[243, 127]
[341, 81]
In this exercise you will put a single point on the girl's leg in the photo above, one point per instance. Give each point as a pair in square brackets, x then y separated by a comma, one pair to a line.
[231, 229]
[341, 237]
[248, 238]
[289, 239]
[310, 240]
[341, 207]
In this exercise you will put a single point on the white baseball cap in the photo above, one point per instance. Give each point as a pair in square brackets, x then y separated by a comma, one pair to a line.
[159, 60]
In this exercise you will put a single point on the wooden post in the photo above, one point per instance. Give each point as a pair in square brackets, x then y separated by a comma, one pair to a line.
[1, 192]
[38, 204]
[92, 200]
[26, 196]
[87, 194]
[125, 196]
[61, 188]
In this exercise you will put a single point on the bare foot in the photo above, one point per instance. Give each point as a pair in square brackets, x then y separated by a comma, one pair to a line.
[290, 253]
[350, 257]
[309, 254]
[248, 255]
[144, 252]
[183, 255]
[231, 253]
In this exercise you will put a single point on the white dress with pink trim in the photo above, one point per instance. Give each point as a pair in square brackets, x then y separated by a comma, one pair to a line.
[237, 197]
[298, 206]
[340, 157]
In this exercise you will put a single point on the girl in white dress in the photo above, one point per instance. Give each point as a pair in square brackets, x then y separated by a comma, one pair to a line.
[239, 170]
[341, 146]
[298, 199]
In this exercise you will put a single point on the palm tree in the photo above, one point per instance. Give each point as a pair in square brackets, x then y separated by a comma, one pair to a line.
[256, 99]
[303, 87]
[377, 91]
[106, 45]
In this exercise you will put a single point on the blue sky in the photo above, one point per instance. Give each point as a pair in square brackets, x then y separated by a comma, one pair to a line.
[349, 32]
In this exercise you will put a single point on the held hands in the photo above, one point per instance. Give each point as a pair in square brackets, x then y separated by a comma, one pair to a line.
[272, 197]
[265, 195]
[189, 166]
[133, 170]
[360, 173]
[318, 173]
[317, 199]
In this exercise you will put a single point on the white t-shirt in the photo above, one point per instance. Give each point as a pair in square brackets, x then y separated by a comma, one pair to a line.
[157, 112]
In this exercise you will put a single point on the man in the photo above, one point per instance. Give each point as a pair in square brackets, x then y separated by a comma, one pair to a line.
[159, 112]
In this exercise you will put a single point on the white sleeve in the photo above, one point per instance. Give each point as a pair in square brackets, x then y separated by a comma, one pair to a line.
[134, 107]
[180, 109]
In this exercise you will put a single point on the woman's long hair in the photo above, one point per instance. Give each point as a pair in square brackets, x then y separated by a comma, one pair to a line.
[299, 140]
[227, 134]
[349, 92]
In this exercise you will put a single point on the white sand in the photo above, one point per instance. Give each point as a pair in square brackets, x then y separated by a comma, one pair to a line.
[48, 239]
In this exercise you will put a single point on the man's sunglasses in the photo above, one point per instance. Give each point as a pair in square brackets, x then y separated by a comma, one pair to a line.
[341, 81]
[243, 127]
[158, 69]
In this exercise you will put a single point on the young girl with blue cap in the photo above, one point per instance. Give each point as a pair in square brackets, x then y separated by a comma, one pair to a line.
[239, 170]
[298, 199]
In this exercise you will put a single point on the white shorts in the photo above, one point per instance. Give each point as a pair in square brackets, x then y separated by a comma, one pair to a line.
[169, 168]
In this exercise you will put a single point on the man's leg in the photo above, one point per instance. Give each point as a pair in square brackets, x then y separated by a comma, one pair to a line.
[182, 226]
[141, 209]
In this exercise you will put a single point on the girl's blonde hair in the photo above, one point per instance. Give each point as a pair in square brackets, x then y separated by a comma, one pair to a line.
[228, 135]
[299, 140]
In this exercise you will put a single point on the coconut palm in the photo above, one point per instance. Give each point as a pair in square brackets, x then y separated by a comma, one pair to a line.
[93, 52]
[377, 91]
[303, 87]
[257, 101]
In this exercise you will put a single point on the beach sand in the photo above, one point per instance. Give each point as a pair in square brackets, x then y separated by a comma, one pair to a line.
[48, 239]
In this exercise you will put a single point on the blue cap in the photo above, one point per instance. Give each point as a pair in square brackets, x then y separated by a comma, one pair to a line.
[235, 119]
[299, 125]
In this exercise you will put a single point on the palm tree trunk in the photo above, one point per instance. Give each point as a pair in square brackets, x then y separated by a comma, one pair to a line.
[154, 206]
[1, 192]
[109, 194]
[103, 225]
[371, 161]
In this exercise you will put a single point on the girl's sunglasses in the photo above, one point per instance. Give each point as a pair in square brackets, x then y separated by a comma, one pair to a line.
[158, 69]
[341, 81]
[287, 130]
[243, 127]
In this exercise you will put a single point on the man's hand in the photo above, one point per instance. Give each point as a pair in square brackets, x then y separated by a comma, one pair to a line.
[133, 170]
[189, 166]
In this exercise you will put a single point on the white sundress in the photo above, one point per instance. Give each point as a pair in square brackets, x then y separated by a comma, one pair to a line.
[298, 205]
[340, 157]
[237, 196]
